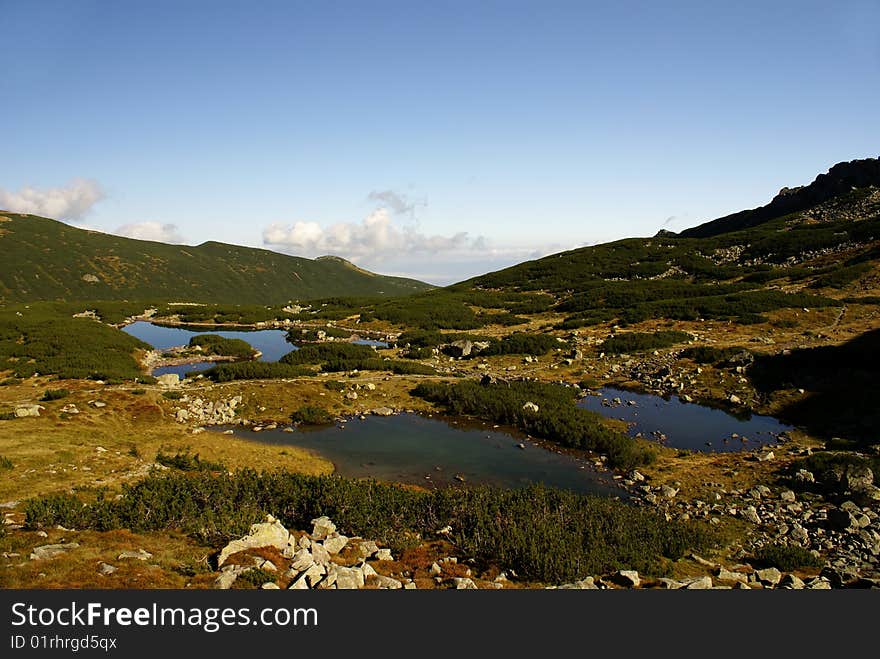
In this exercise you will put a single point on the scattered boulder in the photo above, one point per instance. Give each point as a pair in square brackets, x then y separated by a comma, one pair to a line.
[322, 527]
[349, 578]
[769, 576]
[464, 583]
[70, 408]
[335, 543]
[627, 578]
[140, 555]
[44, 552]
[791, 582]
[382, 411]
[228, 575]
[668, 491]
[28, 410]
[270, 533]
[587, 583]
[168, 380]
[530, 407]
[106, 569]
[700, 583]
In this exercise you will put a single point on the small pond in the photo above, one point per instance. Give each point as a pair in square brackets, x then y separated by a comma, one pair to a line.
[271, 342]
[685, 425]
[432, 452]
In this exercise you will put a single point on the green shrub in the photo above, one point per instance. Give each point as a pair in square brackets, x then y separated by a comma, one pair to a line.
[172, 395]
[334, 385]
[319, 353]
[254, 578]
[418, 353]
[641, 341]
[709, 354]
[49, 341]
[786, 557]
[5, 382]
[7, 415]
[55, 394]
[557, 419]
[138, 392]
[186, 462]
[213, 344]
[823, 461]
[5, 463]
[311, 415]
[522, 343]
[543, 534]
[251, 370]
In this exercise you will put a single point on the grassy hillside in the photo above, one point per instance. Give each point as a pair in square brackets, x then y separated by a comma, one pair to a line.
[48, 260]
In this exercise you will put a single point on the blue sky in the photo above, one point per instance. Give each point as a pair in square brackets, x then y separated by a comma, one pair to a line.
[437, 140]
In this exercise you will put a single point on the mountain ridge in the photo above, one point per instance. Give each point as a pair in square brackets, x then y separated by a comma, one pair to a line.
[45, 259]
[840, 179]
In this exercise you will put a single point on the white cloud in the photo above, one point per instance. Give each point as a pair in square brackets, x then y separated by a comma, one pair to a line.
[378, 244]
[375, 238]
[68, 203]
[400, 204]
[156, 231]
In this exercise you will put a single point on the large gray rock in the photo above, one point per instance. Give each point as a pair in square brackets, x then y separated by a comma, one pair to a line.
[668, 491]
[750, 514]
[302, 560]
[386, 583]
[841, 520]
[530, 407]
[855, 478]
[769, 576]
[348, 578]
[587, 583]
[228, 575]
[140, 555]
[463, 583]
[28, 410]
[382, 411]
[320, 555]
[270, 533]
[791, 582]
[51, 551]
[168, 380]
[700, 583]
[366, 548]
[335, 544]
[322, 527]
[731, 577]
[628, 578]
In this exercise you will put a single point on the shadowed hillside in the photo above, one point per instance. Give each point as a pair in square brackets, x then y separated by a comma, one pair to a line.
[844, 379]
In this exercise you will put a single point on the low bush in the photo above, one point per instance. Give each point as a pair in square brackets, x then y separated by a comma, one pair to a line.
[641, 341]
[255, 371]
[214, 344]
[543, 534]
[786, 557]
[709, 354]
[311, 415]
[55, 394]
[5, 463]
[557, 418]
[186, 462]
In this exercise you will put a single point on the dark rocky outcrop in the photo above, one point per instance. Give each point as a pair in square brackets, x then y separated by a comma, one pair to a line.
[841, 179]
